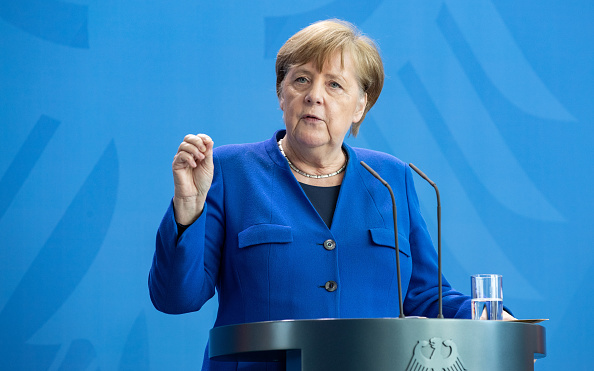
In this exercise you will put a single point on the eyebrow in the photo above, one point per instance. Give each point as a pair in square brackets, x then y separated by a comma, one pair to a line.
[335, 77]
[302, 69]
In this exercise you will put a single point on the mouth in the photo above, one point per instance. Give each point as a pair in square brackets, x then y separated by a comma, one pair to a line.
[311, 118]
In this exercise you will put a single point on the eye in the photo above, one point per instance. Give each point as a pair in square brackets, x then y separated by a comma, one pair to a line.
[335, 85]
[301, 80]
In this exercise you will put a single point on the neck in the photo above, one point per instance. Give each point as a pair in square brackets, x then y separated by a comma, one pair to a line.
[315, 161]
[313, 167]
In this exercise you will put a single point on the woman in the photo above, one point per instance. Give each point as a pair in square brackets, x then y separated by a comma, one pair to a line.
[294, 227]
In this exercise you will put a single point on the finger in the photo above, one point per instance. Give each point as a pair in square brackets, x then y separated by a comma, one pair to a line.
[182, 159]
[199, 145]
[200, 141]
[205, 138]
[192, 140]
[191, 149]
[207, 146]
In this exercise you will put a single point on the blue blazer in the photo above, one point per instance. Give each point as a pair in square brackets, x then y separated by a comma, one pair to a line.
[260, 243]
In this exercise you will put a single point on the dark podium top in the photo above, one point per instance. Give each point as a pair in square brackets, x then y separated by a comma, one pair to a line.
[378, 344]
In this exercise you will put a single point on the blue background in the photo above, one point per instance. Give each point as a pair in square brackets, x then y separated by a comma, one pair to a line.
[491, 98]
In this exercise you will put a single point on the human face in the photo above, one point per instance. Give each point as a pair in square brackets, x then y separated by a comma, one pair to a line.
[320, 106]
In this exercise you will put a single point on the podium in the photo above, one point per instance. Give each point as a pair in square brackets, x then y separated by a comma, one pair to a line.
[378, 344]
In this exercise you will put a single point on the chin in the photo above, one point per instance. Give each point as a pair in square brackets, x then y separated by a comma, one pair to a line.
[313, 140]
[311, 136]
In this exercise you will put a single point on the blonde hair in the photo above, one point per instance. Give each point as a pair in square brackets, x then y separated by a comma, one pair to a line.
[319, 41]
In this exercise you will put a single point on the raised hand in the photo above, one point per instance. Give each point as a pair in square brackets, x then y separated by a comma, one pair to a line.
[192, 176]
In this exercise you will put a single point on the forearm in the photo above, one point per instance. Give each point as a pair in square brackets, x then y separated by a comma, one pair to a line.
[178, 281]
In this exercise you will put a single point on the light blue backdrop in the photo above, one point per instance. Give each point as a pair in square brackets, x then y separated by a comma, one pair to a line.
[491, 98]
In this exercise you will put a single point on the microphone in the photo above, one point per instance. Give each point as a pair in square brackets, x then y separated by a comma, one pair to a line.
[440, 314]
[376, 175]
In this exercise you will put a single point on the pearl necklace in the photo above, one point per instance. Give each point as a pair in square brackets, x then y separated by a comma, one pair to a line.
[280, 146]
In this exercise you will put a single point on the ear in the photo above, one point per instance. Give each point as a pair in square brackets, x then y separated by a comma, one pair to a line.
[360, 109]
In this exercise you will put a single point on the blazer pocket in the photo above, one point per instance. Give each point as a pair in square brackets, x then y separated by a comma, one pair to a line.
[385, 237]
[264, 233]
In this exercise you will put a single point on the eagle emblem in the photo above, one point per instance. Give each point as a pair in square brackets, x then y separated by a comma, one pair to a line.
[435, 355]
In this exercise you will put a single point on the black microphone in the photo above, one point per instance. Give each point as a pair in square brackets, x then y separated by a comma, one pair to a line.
[440, 314]
[395, 235]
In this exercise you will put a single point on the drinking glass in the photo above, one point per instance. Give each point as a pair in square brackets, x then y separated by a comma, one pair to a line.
[487, 296]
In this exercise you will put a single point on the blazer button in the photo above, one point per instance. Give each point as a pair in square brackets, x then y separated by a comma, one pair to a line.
[331, 286]
[329, 245]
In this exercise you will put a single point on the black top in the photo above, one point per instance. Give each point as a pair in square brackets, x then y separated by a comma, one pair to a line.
[323, 199]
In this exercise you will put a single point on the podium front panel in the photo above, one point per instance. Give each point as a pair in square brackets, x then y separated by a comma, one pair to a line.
[408, 344]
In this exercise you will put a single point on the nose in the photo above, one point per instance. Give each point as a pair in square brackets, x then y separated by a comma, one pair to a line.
[315, 95]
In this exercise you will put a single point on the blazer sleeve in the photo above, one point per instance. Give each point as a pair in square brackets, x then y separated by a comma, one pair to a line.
[184, 271]
[422, 295]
